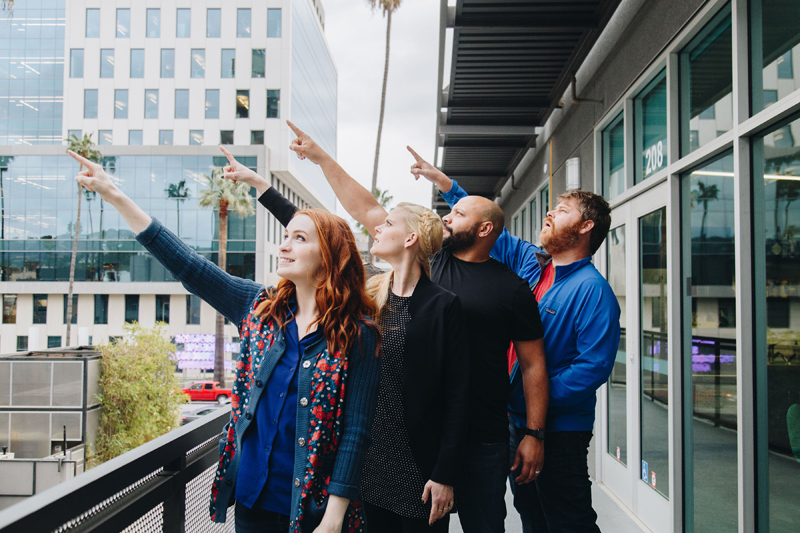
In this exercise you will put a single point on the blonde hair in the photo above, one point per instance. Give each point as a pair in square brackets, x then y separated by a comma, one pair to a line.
[428, 227]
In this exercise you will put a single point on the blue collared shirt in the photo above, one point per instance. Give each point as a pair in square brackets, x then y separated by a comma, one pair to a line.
[268, 452]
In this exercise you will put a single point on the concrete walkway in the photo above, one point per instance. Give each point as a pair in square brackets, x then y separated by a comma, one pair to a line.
[611, 516]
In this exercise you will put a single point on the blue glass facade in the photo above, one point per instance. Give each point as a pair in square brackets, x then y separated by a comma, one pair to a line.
[39, 210]
[32, 72]
[313, 90]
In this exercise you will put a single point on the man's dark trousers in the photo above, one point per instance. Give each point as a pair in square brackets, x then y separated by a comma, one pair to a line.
[480, 494]
[560, 500]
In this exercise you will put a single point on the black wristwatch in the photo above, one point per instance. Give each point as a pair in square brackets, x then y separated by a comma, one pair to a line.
[538, 433]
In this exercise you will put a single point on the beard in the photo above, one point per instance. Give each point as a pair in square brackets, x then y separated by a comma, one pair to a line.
[558, 240]
[462, 240]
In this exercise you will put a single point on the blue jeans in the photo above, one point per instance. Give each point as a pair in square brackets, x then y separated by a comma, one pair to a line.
[560, 499]
[480, 493]
[257, 520]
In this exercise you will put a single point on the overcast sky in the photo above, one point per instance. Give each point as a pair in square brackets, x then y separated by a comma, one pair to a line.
[357, 38]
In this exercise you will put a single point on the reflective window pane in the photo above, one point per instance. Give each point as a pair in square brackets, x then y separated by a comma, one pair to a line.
[653, 362]
[123, 22]
[40, 309]
[162, 308]
[226, 137]
[242, 103]
[228, 63]
[273, 103]
[54, 341]
[181, 103]
[165, 137]
[257, 137]
[105, 137]
[101, 308]
[243, 23]
[710, 345]
[212, 103]
[707, 82]
[90, 103]
[183, 26]
[196, 137]
[198, 63]
[92, 23]
[167, 63]
[107, 63]
[121, 103]
[192, 309]
[618, 381]
[775, 40]
[259, 64]
[534, 216]
[153, 23]
[650, 129]
[131, 308]
[213, 23]
[135, 137]
[22, 343]
[137, 63]
[273, 22]
[544, 200]
[9, 309]
[614, 159]
[76, 63]
[151, 103]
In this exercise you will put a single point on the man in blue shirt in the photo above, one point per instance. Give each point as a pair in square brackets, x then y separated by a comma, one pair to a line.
[580, 314]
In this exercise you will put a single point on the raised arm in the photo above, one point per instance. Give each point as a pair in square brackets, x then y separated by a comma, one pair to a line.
[355, 199]
[228, 294]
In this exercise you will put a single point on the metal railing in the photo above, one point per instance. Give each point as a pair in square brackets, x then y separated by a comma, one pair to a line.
[163, 485]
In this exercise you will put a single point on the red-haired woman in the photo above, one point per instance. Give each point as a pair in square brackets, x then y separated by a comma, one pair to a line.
[307, 377]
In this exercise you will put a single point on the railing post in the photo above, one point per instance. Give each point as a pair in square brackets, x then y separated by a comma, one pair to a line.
[175, 504]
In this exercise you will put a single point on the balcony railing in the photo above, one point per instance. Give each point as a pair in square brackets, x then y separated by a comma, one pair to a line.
[164, 485]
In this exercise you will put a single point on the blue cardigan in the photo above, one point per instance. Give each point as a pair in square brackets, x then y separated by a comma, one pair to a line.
[235, 298]
[580, 315]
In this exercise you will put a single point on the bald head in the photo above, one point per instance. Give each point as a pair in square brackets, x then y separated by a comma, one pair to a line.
[482, 210]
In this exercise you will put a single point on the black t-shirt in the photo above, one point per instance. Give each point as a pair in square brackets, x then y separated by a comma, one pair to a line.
[498, 308]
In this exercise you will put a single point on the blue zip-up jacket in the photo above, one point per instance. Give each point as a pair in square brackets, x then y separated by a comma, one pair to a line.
[580, 315]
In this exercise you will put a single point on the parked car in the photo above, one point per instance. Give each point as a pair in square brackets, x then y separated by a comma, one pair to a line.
[207, 391]
[194, 414]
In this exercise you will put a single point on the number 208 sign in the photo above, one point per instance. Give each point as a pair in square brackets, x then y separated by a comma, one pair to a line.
[654, 158]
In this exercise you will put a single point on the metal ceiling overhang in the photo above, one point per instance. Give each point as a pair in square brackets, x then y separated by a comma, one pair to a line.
[512, 60]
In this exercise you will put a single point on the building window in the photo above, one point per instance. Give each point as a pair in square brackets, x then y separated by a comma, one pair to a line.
[76, 63]
[196, 137]
[726, 312]
[101, 308]
[106, 63]
[198, 63]
[92, 23]
[770, 97]
[123, 22]
[183, 27]
[167, 62]
[181, 103]
[212, 103]
[614, 158]
[544, 200]
[273, 22]
[131, 308]
[775, 42]
[226, 137]
[105, 137]
[243, 23]
[162, 308]
[783, 138]
[165, 137]
[273, 103]
[22, 343]
[228, 63]
[54, 341]
[76, 133]
[213, 23]
[192, 309]
[259, 63]
[137, 63]
[650, 129]
[90, 103]
[74, 309]
[153, 23]
[135, 137]
[9, 309]
[121, 103]
[242, 103]
[785, 70]
[707, 66]
[151, 103]
[40, 309]
[534, 216]
[257, 137]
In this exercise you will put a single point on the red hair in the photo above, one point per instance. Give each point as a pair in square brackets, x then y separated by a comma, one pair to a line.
[341, 296]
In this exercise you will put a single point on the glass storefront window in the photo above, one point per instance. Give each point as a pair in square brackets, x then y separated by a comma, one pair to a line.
[617, 413]
[706, 67]
[777, 167]
[183, 23]
[228, 63]
[198, 63]
[614, 158]
[650, 129]
[709, 346]
[653, 357]
[775, 41]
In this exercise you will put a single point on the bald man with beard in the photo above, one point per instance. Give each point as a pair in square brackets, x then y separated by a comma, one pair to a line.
[498, 309]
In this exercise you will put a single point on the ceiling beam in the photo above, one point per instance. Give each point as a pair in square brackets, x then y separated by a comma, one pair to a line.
[487, 130]
[522, 22]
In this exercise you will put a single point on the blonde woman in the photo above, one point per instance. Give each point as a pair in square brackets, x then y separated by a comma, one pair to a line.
[421, 418]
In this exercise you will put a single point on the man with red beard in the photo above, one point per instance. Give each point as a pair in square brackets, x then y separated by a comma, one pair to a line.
[580, 315]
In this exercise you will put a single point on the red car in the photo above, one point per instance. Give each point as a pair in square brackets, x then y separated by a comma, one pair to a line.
[207, 391]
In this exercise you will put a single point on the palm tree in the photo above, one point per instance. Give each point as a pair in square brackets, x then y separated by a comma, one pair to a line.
[85, 148]
[383, 197]
[388, 7]
[7, 5]
[704, 194]
[224, 195]
[179, 193]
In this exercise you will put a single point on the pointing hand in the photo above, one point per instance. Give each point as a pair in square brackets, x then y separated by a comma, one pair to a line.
[305, 147]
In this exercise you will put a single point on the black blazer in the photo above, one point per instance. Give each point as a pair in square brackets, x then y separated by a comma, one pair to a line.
[435, 370]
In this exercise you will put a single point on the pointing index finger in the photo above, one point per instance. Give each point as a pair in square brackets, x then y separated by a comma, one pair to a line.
[297, 131]
[415, 154]
[230, 157]
[82, 160]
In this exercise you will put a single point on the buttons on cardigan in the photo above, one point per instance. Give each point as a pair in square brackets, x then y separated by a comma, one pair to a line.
[248, 415]
[303, 402]
[301, 442]
[259, 383]
[306, 364]
[296, 482]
